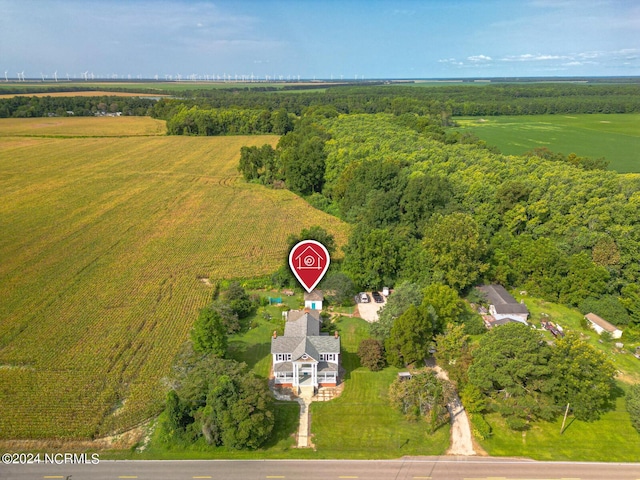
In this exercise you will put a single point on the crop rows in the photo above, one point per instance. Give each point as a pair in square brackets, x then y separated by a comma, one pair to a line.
[103, 243]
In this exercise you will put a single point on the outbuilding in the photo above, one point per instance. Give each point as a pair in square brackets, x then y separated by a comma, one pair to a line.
[600, 325]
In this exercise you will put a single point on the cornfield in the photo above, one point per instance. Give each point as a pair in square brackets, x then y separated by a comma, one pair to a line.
[104, 240]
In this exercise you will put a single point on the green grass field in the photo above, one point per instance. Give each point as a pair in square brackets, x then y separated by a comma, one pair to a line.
[361, 423]
[614, 136]
[104, 243]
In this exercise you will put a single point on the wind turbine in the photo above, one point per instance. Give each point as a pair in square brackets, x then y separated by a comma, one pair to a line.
[55, 75]
[85, 75]
[23, 75]
[6, 79]
[68, 77]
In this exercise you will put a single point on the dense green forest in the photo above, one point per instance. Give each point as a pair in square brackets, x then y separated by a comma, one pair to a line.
[428, 210]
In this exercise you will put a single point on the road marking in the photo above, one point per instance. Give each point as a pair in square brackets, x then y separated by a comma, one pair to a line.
[203, 476]
[127, 476]
[53, 476]
[275, 476]
[347, 476]
[421, 478]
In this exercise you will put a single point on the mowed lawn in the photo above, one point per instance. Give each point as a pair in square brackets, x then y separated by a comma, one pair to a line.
[361, 423]
[615, 137]
[104, 242]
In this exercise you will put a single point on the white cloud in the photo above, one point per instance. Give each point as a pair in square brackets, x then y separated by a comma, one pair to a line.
[479, 58]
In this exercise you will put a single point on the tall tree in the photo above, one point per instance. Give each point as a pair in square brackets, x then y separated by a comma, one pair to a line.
[404, 295]
[453, 353]
[582, 376]
[511, 367]
[446, 303]
[456, 249]
[424, 396]
[410, 337]
[209, 334]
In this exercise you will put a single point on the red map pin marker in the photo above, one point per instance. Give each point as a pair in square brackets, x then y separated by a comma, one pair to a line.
[309, 261]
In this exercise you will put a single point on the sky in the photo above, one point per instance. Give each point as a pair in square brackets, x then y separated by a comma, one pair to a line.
[322, 39]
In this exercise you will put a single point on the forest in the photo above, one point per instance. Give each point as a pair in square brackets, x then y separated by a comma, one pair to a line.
[426, 209]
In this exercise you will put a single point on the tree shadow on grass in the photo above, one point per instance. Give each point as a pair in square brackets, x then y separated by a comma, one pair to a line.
[287, 416]
[350, 361]
[249, 354]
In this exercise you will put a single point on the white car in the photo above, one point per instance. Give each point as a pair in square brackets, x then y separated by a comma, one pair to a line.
[364, 298]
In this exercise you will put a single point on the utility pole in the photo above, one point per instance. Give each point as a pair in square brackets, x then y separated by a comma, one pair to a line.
[564, 419]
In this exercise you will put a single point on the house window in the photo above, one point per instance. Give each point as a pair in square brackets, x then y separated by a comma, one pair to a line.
[328, 357]
[282, 357]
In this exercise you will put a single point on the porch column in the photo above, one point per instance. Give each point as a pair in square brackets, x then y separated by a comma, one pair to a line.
[295, 375]
[314, 370]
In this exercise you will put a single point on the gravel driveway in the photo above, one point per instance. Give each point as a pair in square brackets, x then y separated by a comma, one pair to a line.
[369, 311]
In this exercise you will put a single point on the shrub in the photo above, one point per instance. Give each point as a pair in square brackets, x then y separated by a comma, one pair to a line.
[479, 426]
[633, 405]
[371, 354]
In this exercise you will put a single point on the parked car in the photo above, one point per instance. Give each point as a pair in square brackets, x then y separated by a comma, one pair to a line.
[377, 297]
[363, 297]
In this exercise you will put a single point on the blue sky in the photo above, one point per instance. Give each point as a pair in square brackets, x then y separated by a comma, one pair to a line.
[321, 39]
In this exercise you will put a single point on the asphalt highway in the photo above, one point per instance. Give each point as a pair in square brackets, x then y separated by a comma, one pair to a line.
[419, 468]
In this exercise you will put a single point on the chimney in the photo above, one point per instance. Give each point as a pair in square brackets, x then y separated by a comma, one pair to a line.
[275, 334]
[335, 334]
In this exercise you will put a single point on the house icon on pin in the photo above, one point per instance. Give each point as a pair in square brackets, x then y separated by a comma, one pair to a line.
[309, 259]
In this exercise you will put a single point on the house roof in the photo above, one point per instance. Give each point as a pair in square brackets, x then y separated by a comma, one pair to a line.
[315, 296]
[302, 326]
[601, 322]
[503, 301]
[302, 335]
[312, 346]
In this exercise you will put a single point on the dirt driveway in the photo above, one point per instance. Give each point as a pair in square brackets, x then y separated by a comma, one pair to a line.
[369, 311]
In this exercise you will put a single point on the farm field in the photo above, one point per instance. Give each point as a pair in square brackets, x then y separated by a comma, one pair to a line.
[88, 93]
[613, 136]
[63, 127]
[105, 242]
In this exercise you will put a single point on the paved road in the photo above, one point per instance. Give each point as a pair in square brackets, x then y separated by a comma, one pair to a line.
[420, 468]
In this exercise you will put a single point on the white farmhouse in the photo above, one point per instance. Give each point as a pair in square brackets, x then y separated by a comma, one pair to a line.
[303, 358]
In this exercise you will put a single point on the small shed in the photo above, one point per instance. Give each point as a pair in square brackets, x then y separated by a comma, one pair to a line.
[600, 325]
[314, 300]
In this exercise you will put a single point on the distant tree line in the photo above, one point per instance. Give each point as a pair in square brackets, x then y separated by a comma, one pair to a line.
[461, 100]
[21, 107]
[467, 100]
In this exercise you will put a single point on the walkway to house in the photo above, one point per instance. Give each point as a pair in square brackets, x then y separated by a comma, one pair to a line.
[461, 439]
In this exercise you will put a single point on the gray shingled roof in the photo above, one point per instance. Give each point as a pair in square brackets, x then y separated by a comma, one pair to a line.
[302, 335]
[502, 300]
[314, 296]
[303, 326]
[305, 347]
[326, 343]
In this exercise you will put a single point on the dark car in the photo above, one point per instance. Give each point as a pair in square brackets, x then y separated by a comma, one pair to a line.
[377, 297]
